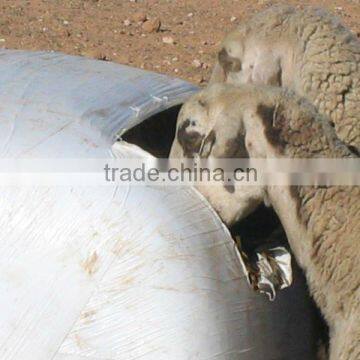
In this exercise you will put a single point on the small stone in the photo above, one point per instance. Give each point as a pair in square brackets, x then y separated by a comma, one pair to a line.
[168, 40]
[176, 70]
[65, 22]
[199, 79]
[127, 22]
[152, 25]
[233, 18]
[190, 15]
[103, 57]
[175, 59]
[197, 63]
[96, 54]
[139, 17]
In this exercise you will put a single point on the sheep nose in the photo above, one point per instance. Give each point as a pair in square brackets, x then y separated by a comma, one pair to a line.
[189, 140]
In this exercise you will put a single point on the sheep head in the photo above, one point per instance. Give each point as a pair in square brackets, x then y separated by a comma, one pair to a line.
[212, 125]
[201, 130]
[248, 121]
[307, 51]
[248, 59]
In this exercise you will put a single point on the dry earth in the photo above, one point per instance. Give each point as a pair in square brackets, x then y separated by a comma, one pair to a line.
[128, 32]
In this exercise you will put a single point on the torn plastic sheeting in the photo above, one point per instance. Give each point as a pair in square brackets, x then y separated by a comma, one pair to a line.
[119, 272]
[270, 272]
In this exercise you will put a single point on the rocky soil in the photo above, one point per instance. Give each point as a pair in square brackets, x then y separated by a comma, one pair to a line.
[176, 37]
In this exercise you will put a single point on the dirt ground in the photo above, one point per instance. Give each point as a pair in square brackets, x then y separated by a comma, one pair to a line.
[128, 32]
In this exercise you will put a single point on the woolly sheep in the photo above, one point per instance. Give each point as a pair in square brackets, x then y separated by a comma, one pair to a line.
[308, 51]
[322, 223]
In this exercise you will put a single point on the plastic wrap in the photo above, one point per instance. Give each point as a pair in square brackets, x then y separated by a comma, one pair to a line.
[119, 272]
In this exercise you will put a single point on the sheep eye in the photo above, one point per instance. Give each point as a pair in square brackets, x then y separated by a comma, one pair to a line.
[229, 63]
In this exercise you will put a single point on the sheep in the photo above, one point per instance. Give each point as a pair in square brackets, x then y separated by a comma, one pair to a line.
[322, 224]
[308, 51]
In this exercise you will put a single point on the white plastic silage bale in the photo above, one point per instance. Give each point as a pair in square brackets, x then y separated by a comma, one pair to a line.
[118, 272]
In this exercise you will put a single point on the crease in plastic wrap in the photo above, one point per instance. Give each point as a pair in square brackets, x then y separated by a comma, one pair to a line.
[119, 272]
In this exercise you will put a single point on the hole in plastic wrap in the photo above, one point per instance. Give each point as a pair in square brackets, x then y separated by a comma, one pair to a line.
[256, 228]
[155, 134]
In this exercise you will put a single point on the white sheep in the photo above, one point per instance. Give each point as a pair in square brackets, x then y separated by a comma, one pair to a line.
[308, 51]
[322, 223]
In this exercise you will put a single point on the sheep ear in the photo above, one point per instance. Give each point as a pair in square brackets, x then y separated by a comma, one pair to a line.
[267, 71]
[272, 124]
[208, 143]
